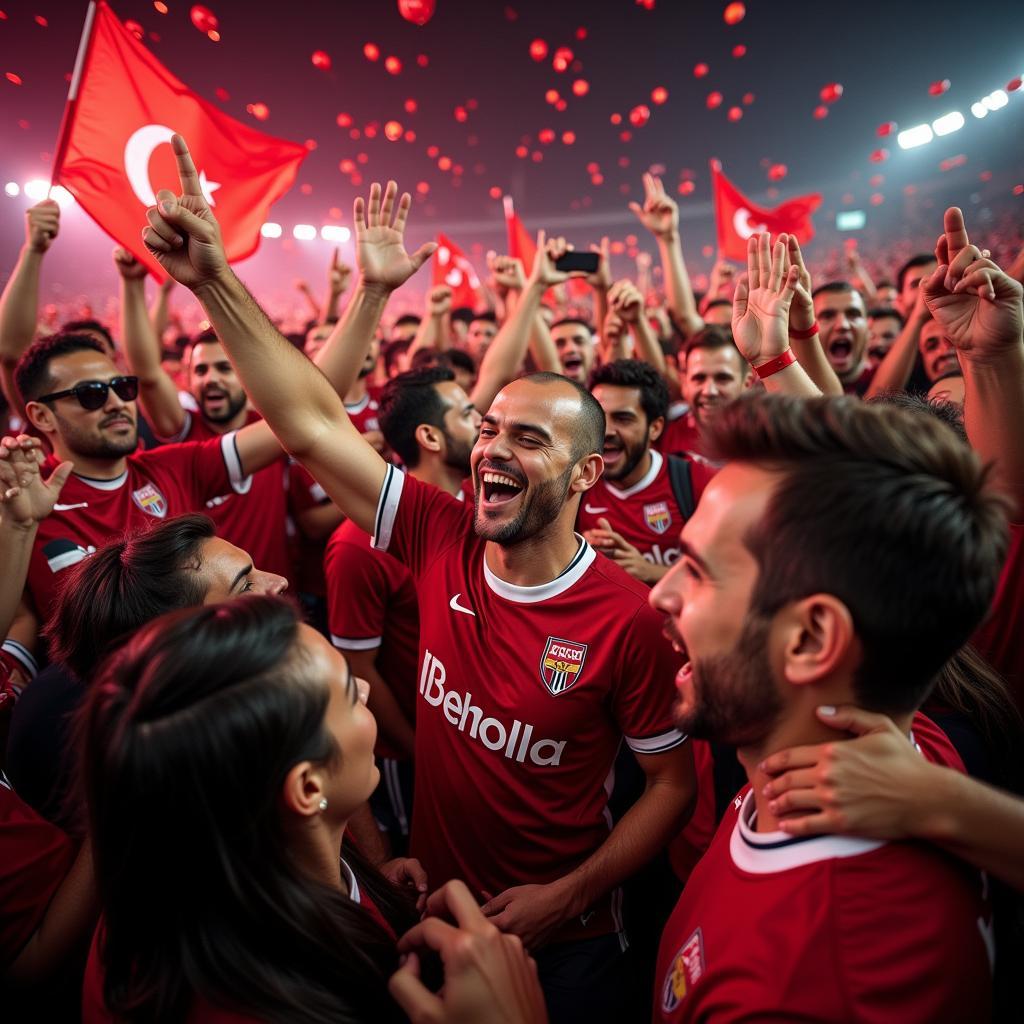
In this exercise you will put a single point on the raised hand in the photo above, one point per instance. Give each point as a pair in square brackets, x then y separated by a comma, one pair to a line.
[801, 312]
[760, 310]
[42, 225]
[625, 299]
[978, 304]
[183, 233]
[338, 273]
[439, 301]
[544, 271]
[380, 242]
[601, 279]
[128, 266]
[507, 272]
[660, 213]
[25, 497]
[720, 281]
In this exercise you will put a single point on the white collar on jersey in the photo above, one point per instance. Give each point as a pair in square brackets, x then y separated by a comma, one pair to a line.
[350, 880]
[581, 561]
[646, 481]
[104, 485]
[766, 853]
[358, 407]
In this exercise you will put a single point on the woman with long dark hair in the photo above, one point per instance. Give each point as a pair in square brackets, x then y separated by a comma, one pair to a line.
[224, 748]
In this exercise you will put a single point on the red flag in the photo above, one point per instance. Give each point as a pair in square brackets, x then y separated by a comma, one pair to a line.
[522, 246]
[114, 149]
[451, 267]
[737, 218]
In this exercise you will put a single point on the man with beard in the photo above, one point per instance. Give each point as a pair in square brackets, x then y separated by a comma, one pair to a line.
[938, 354]
[75, 397]
[642, 499]
[842, 554]
[373, 614]
[537, 658]
[842, 320]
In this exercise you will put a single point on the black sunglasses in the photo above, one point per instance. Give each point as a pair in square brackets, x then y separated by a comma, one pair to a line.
[92, 394]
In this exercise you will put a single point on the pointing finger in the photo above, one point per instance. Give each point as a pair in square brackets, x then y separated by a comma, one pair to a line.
[187, 174]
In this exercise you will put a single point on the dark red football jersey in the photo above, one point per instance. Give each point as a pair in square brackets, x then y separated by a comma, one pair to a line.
[364, 413]
[35, 857]
[525, 694]
[679, 436]
[646, 514]
[372, 605]
[827, 928]
[251, 513]
[156, 484]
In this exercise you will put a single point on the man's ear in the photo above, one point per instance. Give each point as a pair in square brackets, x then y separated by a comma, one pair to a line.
[41, 416]
[587, 472]
[655, 430]
[303, 789]
[428, 437]
[819, 639]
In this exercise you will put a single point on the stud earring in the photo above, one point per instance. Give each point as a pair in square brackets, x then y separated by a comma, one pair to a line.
[323, 804]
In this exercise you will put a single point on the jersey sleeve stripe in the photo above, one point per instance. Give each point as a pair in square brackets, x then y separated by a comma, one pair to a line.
[240, 483]
[347, 643]
[181, 435]
[22, 655]
[387, 508]
[656, 744]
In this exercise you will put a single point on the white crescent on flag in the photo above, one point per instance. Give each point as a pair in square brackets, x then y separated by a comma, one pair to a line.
[742, 226]
[137, 153]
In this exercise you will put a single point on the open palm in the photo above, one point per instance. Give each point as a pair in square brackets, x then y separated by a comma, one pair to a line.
[380, 244]
[760, 312]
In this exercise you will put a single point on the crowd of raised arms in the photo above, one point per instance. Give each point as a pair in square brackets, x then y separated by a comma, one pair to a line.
[662, 661]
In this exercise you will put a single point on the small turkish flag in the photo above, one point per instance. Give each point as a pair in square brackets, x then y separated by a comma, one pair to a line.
[452, 268]
[737, 218]
[522, 246]
[114, 152]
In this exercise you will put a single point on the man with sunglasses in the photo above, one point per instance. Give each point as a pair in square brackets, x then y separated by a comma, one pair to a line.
[85, 408]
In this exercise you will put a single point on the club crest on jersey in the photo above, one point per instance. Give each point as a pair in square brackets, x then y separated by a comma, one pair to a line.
[150, 500]
[657, 516]
[684, 972]
[561, 664]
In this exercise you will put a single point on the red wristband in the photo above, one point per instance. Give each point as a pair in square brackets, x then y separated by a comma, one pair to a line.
[774, 365]
[804, 335]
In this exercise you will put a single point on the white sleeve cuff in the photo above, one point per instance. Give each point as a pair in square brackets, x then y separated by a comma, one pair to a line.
[22, 655]
[240, 483]
[345, 643]
[656, 744]
[387, 507]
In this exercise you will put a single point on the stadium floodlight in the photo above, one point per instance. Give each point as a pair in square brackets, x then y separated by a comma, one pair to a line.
[12, 188]
[948, 123]
[979, 109]
[916, 136]
[996, 100]
[304, 232]
[36, 189]
[335, 233]
[271, 230]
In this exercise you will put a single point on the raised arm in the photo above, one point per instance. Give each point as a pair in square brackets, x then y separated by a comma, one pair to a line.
[160, 311]
[504, 358]
[760, 318]
[304, 411]
[898, 363]
[157, 393]
[338, 275]
[980, 309]
[434, 331]
[19, 304]
[660, 215]
[808, 350]
[627, 301]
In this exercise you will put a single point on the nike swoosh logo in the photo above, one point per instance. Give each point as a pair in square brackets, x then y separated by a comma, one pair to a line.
[456, 607]
[68, 508]
[592, 510]
[584, 918]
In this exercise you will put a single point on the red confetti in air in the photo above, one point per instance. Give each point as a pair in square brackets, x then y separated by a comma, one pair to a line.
[647, 5]
[354, 133]
[393, 66]
[593, 167]
[939, 87]
[538, 49]
[831, 92]
[879, 156]
[41, 21]
[410, 106]
[735, 113]
[568, 138]
[362, 158]
[306, 189]
[419, 12]
[562, 59]
[432, 152]
[877, 199]
[213, 35]
[985, 176]
[371, 51]
[625, 136]
[885, 129]
[135, 28]
[748, 98]
[734, 14]
[321, 60]
[686, 188]
[876, 179]
[546, 136]
[410, 135]
[700, 70]
[347, 166]
[494, 192]
[1018, 190]
[552, 96]
[639, 115]
[714, 100]
[160, 6]
[461, 114]
[203, 18]
[13, 78]
[821, 112]
[739, 50]
[580, 87]
[624, 161]
[581, 33]
[659, 95]
[522, 152]
[597, 179]
[222, 94]
[445, 163]
[777, 172]
[536, 156]
[344, 120]
[561, 105]
[258, 110]
[392, 131]
[370, 131]
[1013, 84]
[422, 187]
[423, 60]
[310, 144]
[23, 124]
[616, 119]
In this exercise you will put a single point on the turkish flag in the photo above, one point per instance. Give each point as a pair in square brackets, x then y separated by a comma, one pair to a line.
[737, 218]
[114, 152]
[452, 268]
